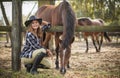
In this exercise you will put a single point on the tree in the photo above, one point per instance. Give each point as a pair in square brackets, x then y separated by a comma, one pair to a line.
[109, 10]
[43, 2]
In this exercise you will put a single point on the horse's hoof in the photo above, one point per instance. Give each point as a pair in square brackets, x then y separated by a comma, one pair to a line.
[98, 51]
[86, 51]
[68, 66]
[57, 67]
[63, 71]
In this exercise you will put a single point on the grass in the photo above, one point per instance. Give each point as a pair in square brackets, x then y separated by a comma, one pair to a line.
[53, 73]
[46, 73]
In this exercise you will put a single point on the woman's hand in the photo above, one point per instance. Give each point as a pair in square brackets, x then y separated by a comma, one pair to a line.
[49, 53]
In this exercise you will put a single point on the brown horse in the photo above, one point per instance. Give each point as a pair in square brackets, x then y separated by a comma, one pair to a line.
[85, 21]
[61, 15]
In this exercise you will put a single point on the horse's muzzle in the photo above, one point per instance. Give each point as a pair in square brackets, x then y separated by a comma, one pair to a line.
[63, 71]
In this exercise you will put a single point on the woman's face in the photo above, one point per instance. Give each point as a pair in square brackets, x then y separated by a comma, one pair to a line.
[35, 24]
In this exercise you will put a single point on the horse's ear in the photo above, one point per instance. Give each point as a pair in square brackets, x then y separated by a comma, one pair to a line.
[101, 21]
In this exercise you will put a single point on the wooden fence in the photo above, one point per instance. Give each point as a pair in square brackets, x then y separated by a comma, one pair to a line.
[15, 53]
[113, 30]
[77, 29]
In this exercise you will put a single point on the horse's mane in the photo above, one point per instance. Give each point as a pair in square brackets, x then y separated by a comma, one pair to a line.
[69, 21]
[84, 18]
[101, 21]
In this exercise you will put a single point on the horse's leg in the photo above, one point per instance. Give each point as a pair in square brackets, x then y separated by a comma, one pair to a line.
[86, 45]
[68, 65]
[85, 37]
[94, 44]
[64, 55]
[62, 61]
[98, 42]
[57, 57]
[57, 50]
[67, 59]
[47, 39]
[97, 39]
[101, 41]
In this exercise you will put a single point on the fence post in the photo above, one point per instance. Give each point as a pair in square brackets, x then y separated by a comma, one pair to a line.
[16, 34]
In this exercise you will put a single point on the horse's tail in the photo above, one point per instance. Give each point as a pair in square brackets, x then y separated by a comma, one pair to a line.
[105, 33]
[107, 37]
[69, 21]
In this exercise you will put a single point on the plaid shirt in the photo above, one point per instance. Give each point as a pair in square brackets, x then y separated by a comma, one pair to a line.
[32, 43]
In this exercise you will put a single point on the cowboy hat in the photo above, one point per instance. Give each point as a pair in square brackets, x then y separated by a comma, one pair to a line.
[27, 23]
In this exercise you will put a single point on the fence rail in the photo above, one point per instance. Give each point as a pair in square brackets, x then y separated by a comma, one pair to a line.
[77, 29]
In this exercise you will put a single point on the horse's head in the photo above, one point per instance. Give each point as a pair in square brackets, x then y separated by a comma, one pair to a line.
[84, 21]
[68, 19]
[65, 53]
[64, 57]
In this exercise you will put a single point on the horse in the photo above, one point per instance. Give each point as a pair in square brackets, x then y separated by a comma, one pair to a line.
[60, 15]
[86, 21]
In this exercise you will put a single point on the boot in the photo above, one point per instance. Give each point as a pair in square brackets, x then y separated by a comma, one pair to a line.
[36, 62]
[42, 66]
[28, 67]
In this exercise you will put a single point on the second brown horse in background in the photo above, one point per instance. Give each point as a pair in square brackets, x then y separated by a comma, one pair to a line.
[61, 15]
[85, 21]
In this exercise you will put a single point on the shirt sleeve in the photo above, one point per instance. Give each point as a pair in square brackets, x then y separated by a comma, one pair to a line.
[33, 41]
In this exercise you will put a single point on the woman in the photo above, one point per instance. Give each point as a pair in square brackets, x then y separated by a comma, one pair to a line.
[33, 52]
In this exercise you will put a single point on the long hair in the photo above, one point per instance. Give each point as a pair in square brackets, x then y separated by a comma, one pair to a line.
[39, 31]
[69, 21]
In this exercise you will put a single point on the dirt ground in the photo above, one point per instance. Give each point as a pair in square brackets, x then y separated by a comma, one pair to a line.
[105, 64]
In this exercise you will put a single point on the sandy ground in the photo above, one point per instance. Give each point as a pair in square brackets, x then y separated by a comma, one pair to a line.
[105, 64]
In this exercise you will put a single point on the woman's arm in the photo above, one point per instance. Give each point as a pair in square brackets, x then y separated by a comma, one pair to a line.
[44, 23]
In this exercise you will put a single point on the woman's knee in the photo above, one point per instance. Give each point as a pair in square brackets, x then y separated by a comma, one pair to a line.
[26, 60]
[39, 51]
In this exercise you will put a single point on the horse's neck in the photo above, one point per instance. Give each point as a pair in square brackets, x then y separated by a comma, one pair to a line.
[56, 16]
[97, 22]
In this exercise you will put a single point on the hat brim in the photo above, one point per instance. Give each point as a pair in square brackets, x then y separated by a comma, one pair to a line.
[27, 23]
